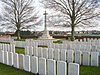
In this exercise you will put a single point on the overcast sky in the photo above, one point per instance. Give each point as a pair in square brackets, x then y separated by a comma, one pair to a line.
[41, 11]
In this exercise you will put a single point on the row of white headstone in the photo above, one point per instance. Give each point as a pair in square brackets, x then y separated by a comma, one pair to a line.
[6, 40]
[45, 42]
[77, 46]
[38, 65]
[7, 47]
[82, 58]
[93, 46]
[82, 46]
[57, 54]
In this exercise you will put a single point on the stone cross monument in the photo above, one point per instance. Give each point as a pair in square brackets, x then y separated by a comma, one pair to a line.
[45, 32]
[45, 26]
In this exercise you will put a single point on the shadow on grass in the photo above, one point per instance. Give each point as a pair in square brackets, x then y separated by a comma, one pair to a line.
[8, 70]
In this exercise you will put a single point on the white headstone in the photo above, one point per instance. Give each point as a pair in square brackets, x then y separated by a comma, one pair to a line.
[6, 57]
[26, 50]
[10, 56]
[51, 67]
[98, 50]
[70, 56]
[16, 60]
[94, 49]
[94, 59]
[86, 58]
[51, 53]
[45, 53]
[27, 66]
[35, 53]
[21, 61]
[10, 48]
[63, 55]
[57, 55]
[73, 69]
[42, 66]
[31, 50]
[40, 52]
[34, 65]
[1, 56]
[61, 68]
[0, 46]
[13, 48]
[5, 47]
[78, 55]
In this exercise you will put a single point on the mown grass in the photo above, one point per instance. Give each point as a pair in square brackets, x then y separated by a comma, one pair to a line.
[24, 39]
[88, 70]
[19, 50]
[19, 39]
[42, 46]
[8, 70]
[57, 42]
[4, 42]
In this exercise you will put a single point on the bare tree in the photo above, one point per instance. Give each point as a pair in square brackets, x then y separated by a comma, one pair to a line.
[77, 12]
[18, 14]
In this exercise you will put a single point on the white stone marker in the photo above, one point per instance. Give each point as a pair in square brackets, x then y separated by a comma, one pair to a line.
[51, 53]
[73, 69]
[57, 55]
[45, 53]
[93, 49]
[34, 65]
[98, 50]
[6, 57]
[70, 56]
[35, 51]
[78, 55]
[27, 66]
[40, 52]
[3, 47]
[21, 61]
[0, 46]
[13, 48]
[10, 48]
[26, 50]
[86, 58]
[63, 55]
[16, 60]
[51, 67]
[10, 56]
[31, 50]
[61, 68]
[95, 59]
[1, 56]
[42, 66]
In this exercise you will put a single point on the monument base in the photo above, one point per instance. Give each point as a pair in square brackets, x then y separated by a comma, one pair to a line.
[45, 35]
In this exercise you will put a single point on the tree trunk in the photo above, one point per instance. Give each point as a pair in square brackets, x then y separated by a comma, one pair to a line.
[72, 34]
[18, 34]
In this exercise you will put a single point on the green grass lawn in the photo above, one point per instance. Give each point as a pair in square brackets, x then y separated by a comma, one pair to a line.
[84, 70]
[88, 70]
[19, 50]
[19, 39]
[4, 42]
[7, 70]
